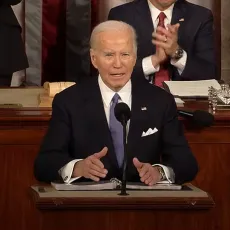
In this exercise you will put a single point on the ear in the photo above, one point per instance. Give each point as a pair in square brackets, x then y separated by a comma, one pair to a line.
[93, 57]
[134, 60]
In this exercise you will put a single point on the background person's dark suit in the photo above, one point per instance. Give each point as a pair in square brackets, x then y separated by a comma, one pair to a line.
[78, 129]
[12, 53]
[195, 36]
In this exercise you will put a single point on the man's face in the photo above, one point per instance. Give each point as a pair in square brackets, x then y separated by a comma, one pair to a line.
[114, 57]
[162, 4]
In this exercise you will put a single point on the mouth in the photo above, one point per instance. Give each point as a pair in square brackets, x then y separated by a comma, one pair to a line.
[117, 75]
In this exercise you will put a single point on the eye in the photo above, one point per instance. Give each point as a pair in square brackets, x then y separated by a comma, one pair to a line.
[125, 54]
[108, 54]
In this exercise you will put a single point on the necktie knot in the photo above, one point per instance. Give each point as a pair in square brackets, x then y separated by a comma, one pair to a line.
[115, 98]
[161, 17]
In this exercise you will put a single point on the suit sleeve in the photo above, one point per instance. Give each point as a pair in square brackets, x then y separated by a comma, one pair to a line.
[176, 152]
[53, 154]
[201, 62]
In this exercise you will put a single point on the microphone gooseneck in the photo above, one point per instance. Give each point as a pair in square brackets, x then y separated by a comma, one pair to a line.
[122, 113]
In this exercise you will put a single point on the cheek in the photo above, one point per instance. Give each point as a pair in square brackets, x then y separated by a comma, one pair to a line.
[105, 69]
[130, 65]
[103, 65]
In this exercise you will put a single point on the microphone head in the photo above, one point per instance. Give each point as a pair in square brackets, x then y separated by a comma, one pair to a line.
[203, 118]
[122, 112]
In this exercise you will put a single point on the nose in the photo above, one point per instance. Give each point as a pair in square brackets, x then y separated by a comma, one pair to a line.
[117, 62]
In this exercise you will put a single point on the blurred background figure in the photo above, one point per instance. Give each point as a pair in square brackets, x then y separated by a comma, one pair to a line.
[12, 52]
[105, 6]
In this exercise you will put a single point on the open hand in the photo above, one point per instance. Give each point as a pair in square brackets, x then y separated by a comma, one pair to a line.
[148, 174]
[91, 167]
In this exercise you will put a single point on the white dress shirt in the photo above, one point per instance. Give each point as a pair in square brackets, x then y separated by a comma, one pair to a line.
[107, 94]
[147, 65]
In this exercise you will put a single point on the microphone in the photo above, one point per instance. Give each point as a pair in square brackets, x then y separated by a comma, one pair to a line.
[199, 117]
[122, 113]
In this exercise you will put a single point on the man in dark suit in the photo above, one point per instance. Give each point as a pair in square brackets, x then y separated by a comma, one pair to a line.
[85, 140]
[12, 53]
[185, 49]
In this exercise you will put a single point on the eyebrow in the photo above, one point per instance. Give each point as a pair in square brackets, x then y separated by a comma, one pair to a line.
[112, 52]
[106, 52]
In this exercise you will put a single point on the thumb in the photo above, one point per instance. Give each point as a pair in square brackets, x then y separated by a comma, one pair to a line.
[173, 28]
[177, 26]
[102, 153]
[137, 163]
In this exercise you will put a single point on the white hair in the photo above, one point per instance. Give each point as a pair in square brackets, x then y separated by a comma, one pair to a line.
[112, 25]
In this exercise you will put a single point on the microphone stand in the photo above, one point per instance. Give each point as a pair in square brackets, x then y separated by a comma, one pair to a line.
[123, 182]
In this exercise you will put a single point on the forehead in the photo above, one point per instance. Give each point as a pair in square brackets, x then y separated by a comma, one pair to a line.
[115, 38]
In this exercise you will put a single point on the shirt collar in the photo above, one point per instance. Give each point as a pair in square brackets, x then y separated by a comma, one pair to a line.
[107, 93]
[155, 12]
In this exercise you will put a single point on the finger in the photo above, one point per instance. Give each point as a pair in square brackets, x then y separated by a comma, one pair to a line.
[144, 170]
[94, 178]
[99, 169]
[102, 153]
[137, 163]
[155, 177]
[177, 26]
[148, 180]
[163, 45]
[159, 37]
[97, 162]
[152, 182]
[96, 173]
[164, 32]
[173, 29]
[145, 177]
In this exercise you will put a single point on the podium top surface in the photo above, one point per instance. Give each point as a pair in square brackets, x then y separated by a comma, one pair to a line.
[50, 192]
[46, 197]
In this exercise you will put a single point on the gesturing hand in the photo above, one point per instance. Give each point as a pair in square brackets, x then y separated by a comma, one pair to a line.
[91, 167]
[148, 174]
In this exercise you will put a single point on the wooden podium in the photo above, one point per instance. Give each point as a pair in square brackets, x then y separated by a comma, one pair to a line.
[106, 210]
[21, 133]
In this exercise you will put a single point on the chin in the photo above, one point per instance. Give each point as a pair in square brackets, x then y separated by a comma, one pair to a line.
[117, 85]
[166, 2]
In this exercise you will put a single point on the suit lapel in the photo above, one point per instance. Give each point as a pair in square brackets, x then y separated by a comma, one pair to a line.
[178, 16]
[144, 24]
[97, 122]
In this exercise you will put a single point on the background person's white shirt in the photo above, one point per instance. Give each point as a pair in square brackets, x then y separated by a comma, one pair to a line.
[147, 65]
[107, 94]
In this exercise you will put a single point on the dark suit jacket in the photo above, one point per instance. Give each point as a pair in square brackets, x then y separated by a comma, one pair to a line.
[78, 128]
[195, 36]
[12, 55]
